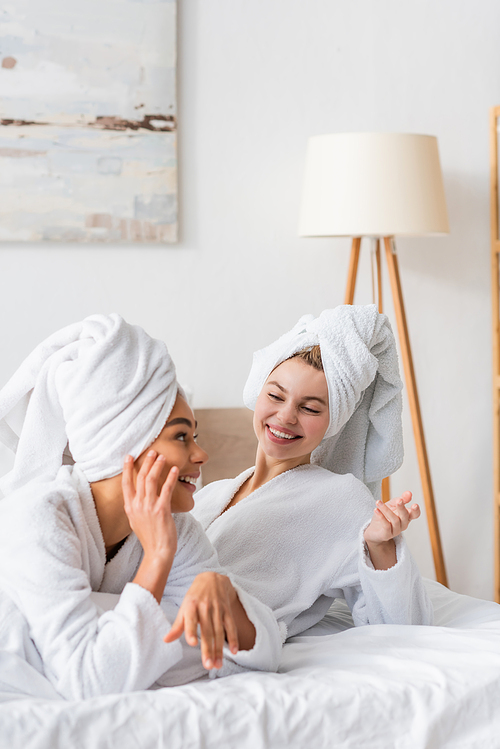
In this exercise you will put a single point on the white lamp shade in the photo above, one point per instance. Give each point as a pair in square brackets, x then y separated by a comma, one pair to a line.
[372, 184]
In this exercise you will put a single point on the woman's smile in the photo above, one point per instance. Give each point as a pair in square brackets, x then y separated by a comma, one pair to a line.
[280, 435]
[188, 481]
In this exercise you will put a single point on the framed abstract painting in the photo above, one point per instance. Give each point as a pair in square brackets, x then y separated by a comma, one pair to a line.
[88, 121]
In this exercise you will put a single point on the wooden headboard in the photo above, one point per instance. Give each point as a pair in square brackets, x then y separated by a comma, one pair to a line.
[228, 437]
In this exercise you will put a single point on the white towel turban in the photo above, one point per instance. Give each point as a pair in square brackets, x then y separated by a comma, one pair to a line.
[100, 389]
[364, 436]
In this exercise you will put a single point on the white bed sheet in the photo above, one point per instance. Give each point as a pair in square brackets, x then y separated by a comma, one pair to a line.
[338, 686]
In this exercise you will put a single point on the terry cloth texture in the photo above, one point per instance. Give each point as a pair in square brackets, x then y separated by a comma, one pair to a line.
[296, 542]
[90, 393]
[52, 558]
[359, 356]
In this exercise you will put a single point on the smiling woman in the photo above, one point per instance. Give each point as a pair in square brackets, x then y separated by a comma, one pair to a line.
[295, 530]
[98, 500]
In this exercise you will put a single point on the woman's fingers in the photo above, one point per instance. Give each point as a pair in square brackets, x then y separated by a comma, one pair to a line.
[207, 609]
[152, 478]
[219, 637]
[414, 512]
[143, 472]
[191, 625]
[215, 626]
[389, 516]
[168, 487]
[186, 621]
[398, 509]
[176, 630]
[231, 633]
[128, 479]
[401, 501]
[406, 514]
[207, 637]
[148, 479]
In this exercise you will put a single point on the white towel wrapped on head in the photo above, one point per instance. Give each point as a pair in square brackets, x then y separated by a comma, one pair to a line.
[359, 356]
[70, 401]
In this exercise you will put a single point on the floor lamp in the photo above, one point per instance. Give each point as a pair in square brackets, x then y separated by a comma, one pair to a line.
[380, 185]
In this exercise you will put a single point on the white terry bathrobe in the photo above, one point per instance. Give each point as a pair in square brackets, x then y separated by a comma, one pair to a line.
[95, 392]
[297, 541]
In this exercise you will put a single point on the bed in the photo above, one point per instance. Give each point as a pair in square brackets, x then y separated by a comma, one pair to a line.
[337, 686]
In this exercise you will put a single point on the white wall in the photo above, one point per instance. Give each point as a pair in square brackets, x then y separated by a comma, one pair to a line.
[255, 80]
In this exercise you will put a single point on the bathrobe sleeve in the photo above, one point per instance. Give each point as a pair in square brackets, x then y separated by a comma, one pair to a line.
[195, 555]
[43, 563]
[393, 596]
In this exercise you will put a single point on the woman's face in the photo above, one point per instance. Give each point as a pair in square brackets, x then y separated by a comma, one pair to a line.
[291, 414]
[176, 442]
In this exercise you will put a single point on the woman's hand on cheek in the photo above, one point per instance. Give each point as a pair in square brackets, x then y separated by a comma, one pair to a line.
[150, 518]
[388, 521]
[209, 604]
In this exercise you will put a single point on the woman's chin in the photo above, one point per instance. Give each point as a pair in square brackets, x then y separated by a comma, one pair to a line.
[183, 504]
[282, 453]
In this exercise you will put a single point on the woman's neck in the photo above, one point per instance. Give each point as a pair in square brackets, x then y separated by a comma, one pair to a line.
[267, 468]
[108, 499]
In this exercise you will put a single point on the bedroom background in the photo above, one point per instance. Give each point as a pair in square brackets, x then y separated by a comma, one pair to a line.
[255, 80]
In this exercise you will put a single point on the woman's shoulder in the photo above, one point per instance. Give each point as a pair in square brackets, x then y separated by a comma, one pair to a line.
[321, 481]
[42, 501]
[52, 520]
[311, 471]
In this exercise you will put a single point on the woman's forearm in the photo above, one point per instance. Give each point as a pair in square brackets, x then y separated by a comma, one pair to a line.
[383, 555]
[153, 573]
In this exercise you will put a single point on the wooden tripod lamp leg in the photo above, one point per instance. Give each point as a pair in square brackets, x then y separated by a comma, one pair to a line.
[386, 483]
[353, 271]
[349, 299]
[379, 277]
[418, 430]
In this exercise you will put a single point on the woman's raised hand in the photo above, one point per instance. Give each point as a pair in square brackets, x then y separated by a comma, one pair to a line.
[150, 517]
[388, 521]
[391, 519]
[213, 604]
